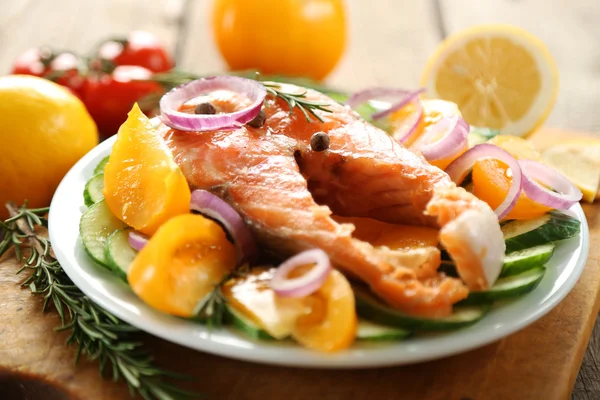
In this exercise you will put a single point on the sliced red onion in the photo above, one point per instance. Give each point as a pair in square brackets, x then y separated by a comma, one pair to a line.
[175, 98]
[137, 240]
[459, 168]
[374, 93]
[410, 124]
[214, 207]
[410, 97]
[455, 133]
[307, 283]
[534, 172]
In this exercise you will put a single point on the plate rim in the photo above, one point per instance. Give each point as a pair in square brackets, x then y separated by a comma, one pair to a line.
[360, 358]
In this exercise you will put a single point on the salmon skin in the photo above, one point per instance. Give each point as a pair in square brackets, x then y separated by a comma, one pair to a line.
[286, 192]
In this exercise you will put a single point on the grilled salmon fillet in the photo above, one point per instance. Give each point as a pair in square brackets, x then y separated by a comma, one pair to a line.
[287, 192]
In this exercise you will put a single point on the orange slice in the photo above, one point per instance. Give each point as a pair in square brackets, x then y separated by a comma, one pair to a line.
[143, 186]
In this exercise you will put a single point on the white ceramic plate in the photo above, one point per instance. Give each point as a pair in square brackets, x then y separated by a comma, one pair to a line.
[99, 284]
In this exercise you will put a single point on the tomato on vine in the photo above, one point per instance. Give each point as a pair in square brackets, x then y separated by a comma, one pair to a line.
[139, 48]
[109, 97]
[64, 68]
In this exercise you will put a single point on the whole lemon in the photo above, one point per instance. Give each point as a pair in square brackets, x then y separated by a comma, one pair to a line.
[44, 130]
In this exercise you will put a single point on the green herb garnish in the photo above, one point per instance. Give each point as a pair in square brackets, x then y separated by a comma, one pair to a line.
[297, 100]
[98, 334]
[212, 308]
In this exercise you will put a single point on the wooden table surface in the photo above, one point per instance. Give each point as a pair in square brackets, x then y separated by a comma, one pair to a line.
[389, 43]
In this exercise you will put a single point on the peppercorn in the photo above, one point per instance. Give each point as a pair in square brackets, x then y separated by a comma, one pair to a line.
[259, 120]
[205, 108]
[319, 141]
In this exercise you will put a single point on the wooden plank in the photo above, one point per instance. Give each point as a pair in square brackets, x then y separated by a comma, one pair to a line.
[521, 363]
[387, 45]
[571, 32]
[79, 25]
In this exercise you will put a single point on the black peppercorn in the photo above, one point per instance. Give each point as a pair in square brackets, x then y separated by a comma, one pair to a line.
[259, 120]
[205, 108]
[319, 141]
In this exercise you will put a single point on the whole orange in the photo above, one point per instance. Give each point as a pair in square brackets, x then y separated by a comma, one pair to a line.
[290, 37]
[44, 130]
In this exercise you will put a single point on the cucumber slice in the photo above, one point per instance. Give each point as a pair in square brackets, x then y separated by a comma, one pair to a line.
[522, 260]
[119, 254]
[509, 287]
[550, 227]
[96, 225]
[373, 309]
[100, 167]
[93, 190]
[245, 325]
[373, 332]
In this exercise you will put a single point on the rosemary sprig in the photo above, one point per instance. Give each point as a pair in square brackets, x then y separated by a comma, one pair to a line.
[297, 100]
[212, 308]
[98, 334]
[175, 78]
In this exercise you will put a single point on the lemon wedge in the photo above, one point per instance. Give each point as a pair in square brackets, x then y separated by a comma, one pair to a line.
[578, 160]
[501, 77]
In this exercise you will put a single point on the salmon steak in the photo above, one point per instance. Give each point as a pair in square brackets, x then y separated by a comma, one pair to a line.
[289, 193]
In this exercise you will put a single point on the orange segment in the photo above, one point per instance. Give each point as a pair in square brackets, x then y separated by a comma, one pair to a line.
[181, 264]
[324, 320]
[491, 180]
[143, 185]
[330, 325]
[491, 184]
[253, 297]
[403, 119]
[434, 110]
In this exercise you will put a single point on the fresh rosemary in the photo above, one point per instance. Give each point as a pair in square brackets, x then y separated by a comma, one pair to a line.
[212, 309]
[175, 78]
[98, 334]
[297, 100]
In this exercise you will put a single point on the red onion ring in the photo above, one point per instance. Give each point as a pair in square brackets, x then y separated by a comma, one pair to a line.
[137, 240]
[409, 126]
[396, 106]
[459, 167]
[373, 93]
[534, 171]
[307, 283]
[453, 140]
[175, 98]
[214, 207]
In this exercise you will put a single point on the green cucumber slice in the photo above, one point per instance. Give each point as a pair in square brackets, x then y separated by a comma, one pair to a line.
[509, 287]
[370, 331]
[118, 253]
[100, 167]
[551, 227]
[522, 260]
[373, 309]
[93, 190]
[245, 325]
[96, 225]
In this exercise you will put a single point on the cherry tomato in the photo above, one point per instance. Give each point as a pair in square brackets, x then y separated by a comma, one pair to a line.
[62, 68]
[140, 48]
[291, 37]
[109, 97]
[34, 61]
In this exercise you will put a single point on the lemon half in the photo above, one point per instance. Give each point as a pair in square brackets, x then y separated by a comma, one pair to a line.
[501, 77]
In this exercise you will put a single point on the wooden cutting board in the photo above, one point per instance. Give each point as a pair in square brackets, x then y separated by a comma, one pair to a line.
[539, 362]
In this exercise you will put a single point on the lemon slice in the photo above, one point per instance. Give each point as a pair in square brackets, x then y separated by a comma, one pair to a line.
[578, 160]
[501, 77]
